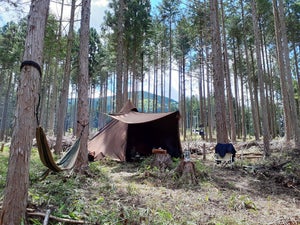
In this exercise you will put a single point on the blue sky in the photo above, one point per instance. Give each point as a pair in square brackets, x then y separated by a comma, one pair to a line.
[10, 13]
[98, 8]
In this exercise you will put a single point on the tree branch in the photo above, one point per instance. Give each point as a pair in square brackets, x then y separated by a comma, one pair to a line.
[55, 218]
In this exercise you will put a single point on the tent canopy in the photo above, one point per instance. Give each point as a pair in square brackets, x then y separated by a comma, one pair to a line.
[131, 132]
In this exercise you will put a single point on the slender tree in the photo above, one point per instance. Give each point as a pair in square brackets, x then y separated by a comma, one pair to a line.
[120, 54]
[83, 87]
[263, 105]
[169, 10]
[283, 54]
[218, 74]
[228, 80]
[62, 109]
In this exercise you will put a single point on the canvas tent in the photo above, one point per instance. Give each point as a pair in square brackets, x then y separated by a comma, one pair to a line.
[130, 132]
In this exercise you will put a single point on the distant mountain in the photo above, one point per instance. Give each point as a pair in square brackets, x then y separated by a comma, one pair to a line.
[149, 104]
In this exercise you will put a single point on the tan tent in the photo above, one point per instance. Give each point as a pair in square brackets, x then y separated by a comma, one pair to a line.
[131, 132]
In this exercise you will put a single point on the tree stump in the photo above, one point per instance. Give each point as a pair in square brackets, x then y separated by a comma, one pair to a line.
[162, 160]
[187, 172]
[2, 147]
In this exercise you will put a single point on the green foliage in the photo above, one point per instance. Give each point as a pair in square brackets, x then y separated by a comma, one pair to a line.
[3, 168]
[112, 194]
[201, 170]
[291, 168]
[164, 216]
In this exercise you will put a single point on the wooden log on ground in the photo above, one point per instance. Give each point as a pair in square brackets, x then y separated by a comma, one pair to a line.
[162, 160]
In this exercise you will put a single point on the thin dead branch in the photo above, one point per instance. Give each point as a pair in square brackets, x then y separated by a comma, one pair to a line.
[58, 219]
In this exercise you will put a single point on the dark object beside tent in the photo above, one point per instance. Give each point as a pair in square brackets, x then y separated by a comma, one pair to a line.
[222, 149]
[131, 133]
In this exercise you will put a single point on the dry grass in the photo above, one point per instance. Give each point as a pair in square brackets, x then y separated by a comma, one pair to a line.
[135, 193]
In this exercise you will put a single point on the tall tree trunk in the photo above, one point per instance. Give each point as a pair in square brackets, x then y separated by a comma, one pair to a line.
[236, 90]
[283, 82]
[202, 95]
[263, 105]
[5, 108]
[120, 60]
[142, 82]
[228, 81]
[170, 61]
[149, 84]
[209, 107]
[242, 85]
[218, 74]
[283, 51]
[162, 84]
[254, 99]
[17, 182]
[184, 114]
[45, 95]
[53, 98]
[62, 109]
[297, 70]
[125, 76]
[83, 87]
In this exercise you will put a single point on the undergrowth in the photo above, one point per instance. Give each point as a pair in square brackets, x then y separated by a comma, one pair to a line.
[136, 193]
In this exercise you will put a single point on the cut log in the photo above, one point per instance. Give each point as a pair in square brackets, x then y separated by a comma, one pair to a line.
[162, 160]
[187, 172]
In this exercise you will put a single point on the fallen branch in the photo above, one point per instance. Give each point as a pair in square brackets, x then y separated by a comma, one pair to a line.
[58, 219]
[46, 219]
[31, 213]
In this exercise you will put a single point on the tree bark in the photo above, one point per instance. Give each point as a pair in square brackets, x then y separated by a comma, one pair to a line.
[17, 183]
[5, 108]
[218, 73]
[83, 87]
[120, 60]
[228, 82]
[209, 107]
[292, 121]
[263, 105]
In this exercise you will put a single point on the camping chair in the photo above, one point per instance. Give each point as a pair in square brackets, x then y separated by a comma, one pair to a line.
[223, 161]
[224, 154]
[68, 160]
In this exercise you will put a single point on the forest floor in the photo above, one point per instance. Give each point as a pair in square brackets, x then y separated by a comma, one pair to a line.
[251, 192]
[259, 191]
